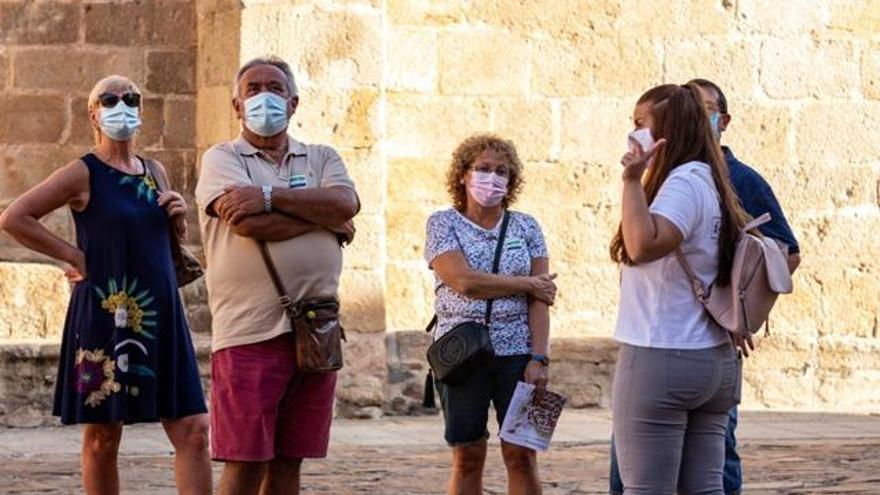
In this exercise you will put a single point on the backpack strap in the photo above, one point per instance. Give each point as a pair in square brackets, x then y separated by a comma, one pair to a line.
[696, 284]
[757, 222]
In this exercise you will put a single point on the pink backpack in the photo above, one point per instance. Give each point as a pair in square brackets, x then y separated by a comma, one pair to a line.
[760, 273]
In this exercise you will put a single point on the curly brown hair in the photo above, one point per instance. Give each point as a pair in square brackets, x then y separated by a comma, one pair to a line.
[467, 153]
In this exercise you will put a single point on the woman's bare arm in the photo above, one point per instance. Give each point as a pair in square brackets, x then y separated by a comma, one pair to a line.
[454, 271]
[539, 312]
[68, 186]
[647, 237]
[539, 326]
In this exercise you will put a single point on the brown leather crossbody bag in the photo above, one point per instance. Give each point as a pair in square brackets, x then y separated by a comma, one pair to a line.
[317, 331]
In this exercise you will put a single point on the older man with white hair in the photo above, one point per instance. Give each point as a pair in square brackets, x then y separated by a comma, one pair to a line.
[273, 213]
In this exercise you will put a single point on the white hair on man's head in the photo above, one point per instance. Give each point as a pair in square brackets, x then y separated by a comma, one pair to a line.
[111, 84]
[266, 60]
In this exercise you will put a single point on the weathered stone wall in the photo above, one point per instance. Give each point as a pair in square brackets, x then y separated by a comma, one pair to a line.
[398, 83]
[560, 79]
[51, 54]
[395, 84]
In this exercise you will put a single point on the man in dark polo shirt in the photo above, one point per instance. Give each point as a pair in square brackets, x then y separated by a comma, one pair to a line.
[757, 198]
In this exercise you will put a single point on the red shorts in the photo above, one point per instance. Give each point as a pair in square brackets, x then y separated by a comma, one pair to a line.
[261, 408]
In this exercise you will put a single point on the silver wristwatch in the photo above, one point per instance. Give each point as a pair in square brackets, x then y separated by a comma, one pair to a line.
[267, 198]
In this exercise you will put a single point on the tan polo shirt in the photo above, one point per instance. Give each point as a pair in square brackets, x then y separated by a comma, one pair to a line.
[243, 301]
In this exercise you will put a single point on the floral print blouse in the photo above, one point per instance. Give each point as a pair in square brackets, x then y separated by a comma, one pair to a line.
[449, 230]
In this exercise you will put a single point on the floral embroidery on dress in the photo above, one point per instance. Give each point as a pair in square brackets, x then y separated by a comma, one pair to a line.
[145, 185]
[129, 310]
[95, 376]
[122, 360]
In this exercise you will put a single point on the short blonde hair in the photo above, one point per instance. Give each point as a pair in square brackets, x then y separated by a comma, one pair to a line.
[110, 83]
[467, 153]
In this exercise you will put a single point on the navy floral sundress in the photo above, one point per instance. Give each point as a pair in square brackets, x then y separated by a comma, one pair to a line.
[126, 354]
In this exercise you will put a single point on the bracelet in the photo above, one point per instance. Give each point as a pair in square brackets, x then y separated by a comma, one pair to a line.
[267, 198]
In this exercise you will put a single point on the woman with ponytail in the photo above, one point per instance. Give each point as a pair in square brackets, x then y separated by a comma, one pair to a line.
[677, 373]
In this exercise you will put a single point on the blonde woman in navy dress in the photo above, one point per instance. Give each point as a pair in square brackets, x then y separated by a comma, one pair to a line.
[126, 355]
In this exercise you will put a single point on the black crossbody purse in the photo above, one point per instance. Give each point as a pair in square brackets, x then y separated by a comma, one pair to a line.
[456, 354]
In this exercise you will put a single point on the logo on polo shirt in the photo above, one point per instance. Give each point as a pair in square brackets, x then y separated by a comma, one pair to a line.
[298, 181]
[513, 244]
[716, 227]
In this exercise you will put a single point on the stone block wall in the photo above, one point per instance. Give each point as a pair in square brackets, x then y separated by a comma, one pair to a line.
[561, 78]
[51, 54]
[396, 84]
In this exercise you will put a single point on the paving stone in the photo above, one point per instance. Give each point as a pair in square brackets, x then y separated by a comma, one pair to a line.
[407, 456]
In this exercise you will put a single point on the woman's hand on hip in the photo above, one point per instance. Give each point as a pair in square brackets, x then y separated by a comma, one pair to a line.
[636, 161]
[543, 288]
[75, 267]
[537, 374]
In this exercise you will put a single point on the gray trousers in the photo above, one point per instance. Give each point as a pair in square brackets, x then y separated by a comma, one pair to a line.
[670, 414]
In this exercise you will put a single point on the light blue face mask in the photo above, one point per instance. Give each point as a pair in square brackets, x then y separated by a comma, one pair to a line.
[120, 122]
[715, 120]
[265, 114]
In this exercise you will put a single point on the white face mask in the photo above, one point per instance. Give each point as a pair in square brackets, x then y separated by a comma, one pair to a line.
[641, 137]
[120, 122]
[265, 114]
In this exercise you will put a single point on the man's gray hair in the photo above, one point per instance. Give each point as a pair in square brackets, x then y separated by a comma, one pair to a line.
[266, 60]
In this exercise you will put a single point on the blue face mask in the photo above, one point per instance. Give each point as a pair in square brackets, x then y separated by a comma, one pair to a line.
[265, 114]
[120, 122]
[715, 120]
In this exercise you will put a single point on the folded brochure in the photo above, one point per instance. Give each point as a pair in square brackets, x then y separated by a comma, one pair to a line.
[529, 424]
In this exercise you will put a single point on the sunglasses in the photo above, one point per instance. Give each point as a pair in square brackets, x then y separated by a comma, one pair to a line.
[109, 100]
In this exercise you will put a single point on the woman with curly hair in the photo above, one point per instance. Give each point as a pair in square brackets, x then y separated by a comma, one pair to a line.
[126, 353]
[483, 180]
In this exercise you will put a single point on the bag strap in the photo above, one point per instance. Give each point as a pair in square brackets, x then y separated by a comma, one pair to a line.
[162, 185]
[150, 167]
[283, 299]
[696, 284]
[757, 222]
[497, 261]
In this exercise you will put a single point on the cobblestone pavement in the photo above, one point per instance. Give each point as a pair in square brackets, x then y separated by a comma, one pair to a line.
[783, 454]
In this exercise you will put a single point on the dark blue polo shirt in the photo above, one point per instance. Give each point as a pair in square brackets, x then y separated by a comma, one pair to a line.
[757, 198]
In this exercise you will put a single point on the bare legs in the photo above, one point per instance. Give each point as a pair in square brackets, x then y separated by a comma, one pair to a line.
[522, 470]
[192, 463]
[276, 477]
[100, 447]
[282, 477]
[467, 469]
